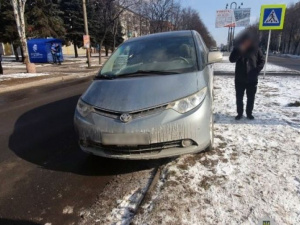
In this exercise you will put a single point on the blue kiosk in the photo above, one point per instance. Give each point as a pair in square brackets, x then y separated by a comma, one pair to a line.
[40, 50]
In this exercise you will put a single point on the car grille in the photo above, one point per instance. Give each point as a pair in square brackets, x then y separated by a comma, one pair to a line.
[141, 149]
[134, 114]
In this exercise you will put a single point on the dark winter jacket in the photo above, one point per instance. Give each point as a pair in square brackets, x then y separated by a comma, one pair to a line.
[248, 65]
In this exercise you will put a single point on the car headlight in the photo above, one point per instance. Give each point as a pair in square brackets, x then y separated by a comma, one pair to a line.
[186, 104]
[83, 108]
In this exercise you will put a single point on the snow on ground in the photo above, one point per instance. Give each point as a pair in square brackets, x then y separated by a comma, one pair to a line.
[21, 75]
[252, 173]
[18, 65]
[120, 199]
[226, 66]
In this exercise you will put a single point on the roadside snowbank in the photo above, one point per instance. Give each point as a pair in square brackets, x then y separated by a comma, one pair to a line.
[252, 173]
[226, 66]
[289, 56]
[230, 67]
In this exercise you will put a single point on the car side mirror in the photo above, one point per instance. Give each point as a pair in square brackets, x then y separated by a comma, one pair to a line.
[214, 57]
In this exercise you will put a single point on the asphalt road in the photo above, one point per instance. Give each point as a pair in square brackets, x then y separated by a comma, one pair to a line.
[291, 63]
[44, 176]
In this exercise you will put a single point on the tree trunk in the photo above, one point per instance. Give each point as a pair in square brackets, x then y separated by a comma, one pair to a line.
[22, 54]
[296, 47]
[1, 69]
[106, 50]
[100, 45]
[19, 9]
[75, 50]
[100, 57]
[15, 47]
[115, 29]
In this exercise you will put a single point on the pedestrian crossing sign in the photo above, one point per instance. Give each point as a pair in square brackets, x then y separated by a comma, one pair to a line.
[272, 17]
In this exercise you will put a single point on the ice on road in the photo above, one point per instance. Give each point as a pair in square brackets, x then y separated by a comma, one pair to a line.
[252, 173]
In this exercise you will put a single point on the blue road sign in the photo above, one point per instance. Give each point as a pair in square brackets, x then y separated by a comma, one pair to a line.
[272, 17]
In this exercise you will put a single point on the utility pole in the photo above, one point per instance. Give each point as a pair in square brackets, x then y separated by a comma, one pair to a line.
[86, 28]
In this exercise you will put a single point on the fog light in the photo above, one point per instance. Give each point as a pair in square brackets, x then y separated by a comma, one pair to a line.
[186, 143]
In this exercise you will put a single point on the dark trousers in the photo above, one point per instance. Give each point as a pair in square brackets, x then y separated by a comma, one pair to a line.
[240, 89]
[54, 57]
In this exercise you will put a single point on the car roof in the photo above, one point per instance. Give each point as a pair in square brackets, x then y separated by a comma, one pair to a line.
[170, 34]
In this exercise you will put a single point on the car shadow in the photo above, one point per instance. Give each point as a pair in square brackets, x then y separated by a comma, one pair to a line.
[45, 136]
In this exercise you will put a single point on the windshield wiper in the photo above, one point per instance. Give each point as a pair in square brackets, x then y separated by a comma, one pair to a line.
[135, 74]
[105, 77]
[141, 72]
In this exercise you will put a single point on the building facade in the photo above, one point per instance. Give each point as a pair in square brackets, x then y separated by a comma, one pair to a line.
[134, 24]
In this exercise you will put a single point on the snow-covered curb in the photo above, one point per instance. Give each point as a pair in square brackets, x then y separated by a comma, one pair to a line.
[226, 67]
[127, 207]
[252, 173]
[120, 200]
[21, 75]
[287, 56]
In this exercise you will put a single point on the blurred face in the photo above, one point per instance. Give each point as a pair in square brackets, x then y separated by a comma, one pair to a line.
[246, 44]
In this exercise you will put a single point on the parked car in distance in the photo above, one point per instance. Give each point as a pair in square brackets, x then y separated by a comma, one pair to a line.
[152, 99]
[214, 49]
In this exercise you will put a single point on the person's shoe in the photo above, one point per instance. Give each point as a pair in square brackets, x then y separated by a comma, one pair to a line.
[238, 117]
[250, 117]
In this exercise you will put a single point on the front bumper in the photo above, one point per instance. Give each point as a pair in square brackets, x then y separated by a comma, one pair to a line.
[166, 129]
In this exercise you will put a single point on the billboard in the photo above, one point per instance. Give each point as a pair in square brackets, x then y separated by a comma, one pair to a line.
[233, 17]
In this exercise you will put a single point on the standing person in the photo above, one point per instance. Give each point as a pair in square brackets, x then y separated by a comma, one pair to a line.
[58, 53]
[249, 62]
[53, 52]
[1, 69]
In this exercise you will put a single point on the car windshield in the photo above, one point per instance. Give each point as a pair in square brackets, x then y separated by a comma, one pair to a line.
[157, 55]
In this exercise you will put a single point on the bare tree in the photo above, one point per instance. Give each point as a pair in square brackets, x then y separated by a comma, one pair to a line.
[287, 40]
[106, 16]
[168, 15]
[161, 13]
[190, 20]
[19, 10]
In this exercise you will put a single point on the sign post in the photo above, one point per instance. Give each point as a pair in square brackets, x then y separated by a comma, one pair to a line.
[271, 18]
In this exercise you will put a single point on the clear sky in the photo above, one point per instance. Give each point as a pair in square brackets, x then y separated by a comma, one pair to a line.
[208, 8]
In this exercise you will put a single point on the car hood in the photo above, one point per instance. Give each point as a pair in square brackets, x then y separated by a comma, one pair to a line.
[136, 93]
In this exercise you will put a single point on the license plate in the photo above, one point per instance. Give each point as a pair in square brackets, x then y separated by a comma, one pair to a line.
[125, 139]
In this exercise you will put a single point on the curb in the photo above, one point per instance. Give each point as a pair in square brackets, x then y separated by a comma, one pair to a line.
[46, 81]
[221, 73]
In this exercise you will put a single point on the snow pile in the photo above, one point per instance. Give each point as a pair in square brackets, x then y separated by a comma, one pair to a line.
[21, 75]
[252, 173]
[226, 66]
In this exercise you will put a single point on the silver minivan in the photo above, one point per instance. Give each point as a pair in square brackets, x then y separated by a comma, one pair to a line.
[152, 99]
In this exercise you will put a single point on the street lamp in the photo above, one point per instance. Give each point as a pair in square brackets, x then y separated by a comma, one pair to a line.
[231, 29]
